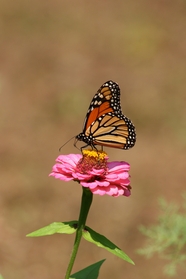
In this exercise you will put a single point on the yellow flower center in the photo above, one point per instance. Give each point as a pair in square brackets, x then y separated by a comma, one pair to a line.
[100, 155]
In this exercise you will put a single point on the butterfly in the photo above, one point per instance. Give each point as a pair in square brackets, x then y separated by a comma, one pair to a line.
[105, 124]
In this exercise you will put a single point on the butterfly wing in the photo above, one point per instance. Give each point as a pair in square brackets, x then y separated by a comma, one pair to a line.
[106, 100]
[113, 131]
[105, 124]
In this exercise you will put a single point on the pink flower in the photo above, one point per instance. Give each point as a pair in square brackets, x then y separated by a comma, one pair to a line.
[94, 172]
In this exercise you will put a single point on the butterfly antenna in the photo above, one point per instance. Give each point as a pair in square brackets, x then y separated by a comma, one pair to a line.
[66, 143]
[76, 140]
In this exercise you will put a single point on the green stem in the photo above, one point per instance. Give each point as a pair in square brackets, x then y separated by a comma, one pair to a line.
[86, 201]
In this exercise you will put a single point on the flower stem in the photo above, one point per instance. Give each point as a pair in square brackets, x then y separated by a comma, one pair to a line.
[86, 201]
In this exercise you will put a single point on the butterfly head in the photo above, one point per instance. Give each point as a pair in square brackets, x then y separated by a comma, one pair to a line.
[86, 139]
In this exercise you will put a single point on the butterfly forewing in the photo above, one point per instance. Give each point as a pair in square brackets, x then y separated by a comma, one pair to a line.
[102, 103]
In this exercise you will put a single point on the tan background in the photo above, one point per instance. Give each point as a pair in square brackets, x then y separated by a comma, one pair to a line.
[54, 55]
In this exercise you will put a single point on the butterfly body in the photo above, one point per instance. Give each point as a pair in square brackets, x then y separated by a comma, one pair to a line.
[105, 124]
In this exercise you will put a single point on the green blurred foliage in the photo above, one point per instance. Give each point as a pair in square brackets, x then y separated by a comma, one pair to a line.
[168, 237]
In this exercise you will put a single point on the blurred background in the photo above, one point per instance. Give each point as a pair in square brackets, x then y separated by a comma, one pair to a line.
[54, 55]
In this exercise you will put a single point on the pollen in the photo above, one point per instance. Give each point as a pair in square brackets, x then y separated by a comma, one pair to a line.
[100, 155]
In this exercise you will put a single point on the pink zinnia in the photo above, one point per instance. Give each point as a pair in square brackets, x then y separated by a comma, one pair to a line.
[92, 170]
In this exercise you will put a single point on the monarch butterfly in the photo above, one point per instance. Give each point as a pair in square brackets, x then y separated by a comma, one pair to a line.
[104, 124]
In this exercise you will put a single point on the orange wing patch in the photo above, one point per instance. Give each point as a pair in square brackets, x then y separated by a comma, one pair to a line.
[97, 112]
[104, 108]
[92, 117]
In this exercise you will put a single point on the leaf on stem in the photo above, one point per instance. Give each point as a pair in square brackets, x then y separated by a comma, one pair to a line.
[56, 227]
[90, 272]
[101, 241]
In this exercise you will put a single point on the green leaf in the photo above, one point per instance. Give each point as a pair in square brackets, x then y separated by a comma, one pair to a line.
[1, 277]
[56, 227]
[101, 241]
[90, 272]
